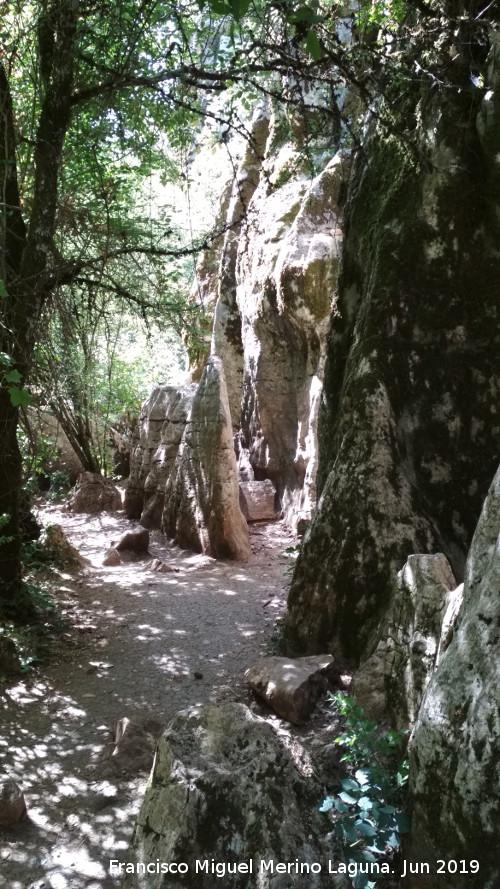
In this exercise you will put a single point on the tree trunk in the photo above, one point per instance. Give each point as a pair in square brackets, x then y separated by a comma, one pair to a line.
[10, 485]
[25, 254]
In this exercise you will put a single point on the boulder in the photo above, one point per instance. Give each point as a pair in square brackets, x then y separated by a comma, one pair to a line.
[455, 750]
[111, 558]
[183, 476]
[292, 688]
[135, 742]
[93, 493]
[257, 501]
[12, 803]
[134, 541]
[57, 546]
[225, 792]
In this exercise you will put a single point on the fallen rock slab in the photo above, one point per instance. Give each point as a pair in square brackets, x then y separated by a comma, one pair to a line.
[292, 687]
[134, 541]
[12, 803]
[224, 790]
[257, 501]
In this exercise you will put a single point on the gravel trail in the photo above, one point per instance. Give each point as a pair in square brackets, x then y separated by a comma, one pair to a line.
[141, 645]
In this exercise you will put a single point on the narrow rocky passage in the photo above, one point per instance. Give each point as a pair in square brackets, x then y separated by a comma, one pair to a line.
[142, 645]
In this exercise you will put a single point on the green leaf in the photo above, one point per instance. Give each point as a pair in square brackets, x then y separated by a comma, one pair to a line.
[341, 807]
[345, 830]
[365, 828]
[365, 803]
[19, 397]
[347, 798]
[13, 376]
[240, 8]
[362, 776]
[304, 14]
[313, 46]
[219, 7]
[327, 804]
[393, 841]
[3, 291]
[349, 784]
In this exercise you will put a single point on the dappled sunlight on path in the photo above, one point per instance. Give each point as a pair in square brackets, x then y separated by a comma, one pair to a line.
[144, 645]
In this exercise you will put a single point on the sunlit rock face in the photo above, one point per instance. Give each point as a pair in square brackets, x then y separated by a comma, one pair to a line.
[409, 429]
[272, 279]
[155, 444]
[455, 752]
[276, 288]
[184, 477]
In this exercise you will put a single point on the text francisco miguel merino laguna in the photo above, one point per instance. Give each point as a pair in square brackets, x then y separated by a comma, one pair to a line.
[223, 868]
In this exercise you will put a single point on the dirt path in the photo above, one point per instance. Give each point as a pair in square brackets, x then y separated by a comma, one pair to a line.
[143, 645]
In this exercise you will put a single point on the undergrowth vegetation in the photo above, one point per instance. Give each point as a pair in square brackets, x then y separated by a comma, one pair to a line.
[368, 812]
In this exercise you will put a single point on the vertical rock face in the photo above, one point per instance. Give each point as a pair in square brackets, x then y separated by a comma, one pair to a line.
[155, 444]
[409, 425]
[424, 588]
[277, 287]
[273, 282]
[455, 753]
[201, 508]
[184, 477]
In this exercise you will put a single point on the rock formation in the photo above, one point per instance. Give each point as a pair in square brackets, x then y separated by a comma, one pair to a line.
[223, 790]
[409, 430]
[93, 493]
[455, 751]
[184, 475]
[155, 445]
[273, 283]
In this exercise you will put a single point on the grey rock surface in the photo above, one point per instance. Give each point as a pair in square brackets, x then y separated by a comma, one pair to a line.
[424, 586]
[409, 431]
[136, 541]
[257, 501]
[201, 510]
[224, 790]
[183, 470]
[455, 752]
[156, 440]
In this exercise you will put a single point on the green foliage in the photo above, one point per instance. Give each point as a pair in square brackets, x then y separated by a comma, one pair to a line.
[386, 14]
[368, 811]
[29, 624]
[19, 396]
[45, 553]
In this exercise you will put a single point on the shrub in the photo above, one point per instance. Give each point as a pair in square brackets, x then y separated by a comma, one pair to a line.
[368, 810]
